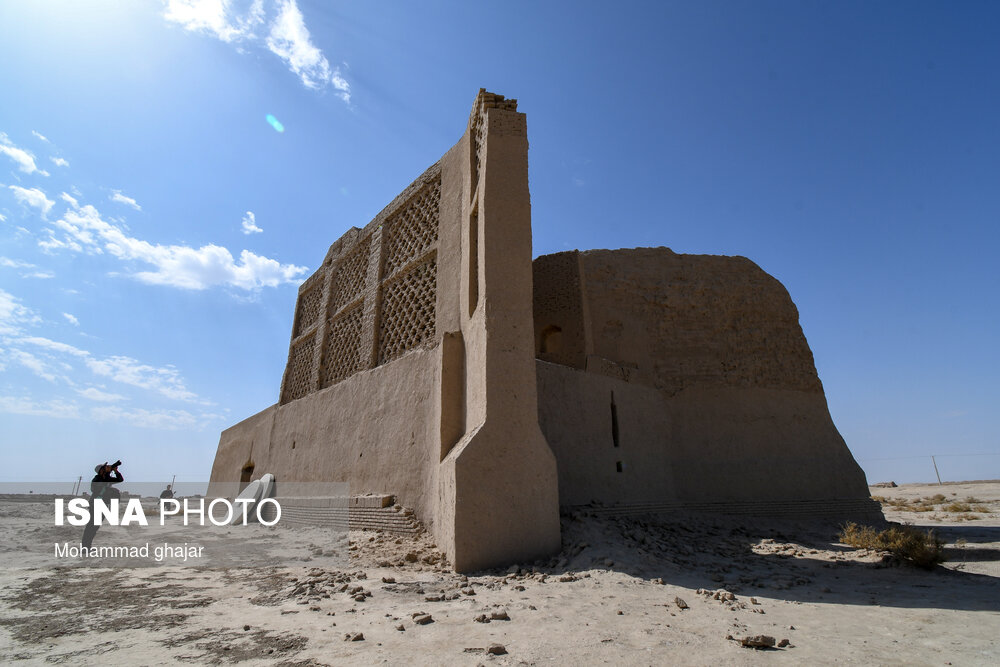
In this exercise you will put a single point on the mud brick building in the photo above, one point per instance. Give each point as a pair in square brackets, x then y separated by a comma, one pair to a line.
[431, 360]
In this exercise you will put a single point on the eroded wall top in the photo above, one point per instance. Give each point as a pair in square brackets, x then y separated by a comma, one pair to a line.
[672, 321]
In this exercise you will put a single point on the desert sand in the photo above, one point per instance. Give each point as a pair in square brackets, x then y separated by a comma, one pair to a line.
[642, 590]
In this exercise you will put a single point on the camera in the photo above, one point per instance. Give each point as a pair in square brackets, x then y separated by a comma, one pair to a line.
[116, 463]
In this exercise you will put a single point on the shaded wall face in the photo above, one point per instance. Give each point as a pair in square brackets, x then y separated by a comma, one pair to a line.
[695, 320]
[695, 383]
[558, 310]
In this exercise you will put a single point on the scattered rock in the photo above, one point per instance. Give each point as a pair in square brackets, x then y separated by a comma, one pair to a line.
[422, 619]
[354, 637]
[411, 557]
[388, 580]
[496, 649]
[246, 627]
[567, 577]
[482, 618]
[758, 641]
[681, 603]
[401, 627]
[499, 615]
[783, 643]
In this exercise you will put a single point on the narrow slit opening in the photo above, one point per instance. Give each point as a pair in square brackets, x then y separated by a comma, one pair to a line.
[473, 260]
[614, 423]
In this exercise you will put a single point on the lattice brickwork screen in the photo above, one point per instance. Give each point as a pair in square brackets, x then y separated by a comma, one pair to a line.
[414, 229]
[349, 283]
[408, 315]
[310, 309]
[342, 356]
[360, 322]
[298, 376]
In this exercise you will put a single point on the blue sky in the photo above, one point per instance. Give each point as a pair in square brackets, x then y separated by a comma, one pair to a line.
[154, 225]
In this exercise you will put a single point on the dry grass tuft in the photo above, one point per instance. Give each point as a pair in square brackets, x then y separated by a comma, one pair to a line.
[904, 542]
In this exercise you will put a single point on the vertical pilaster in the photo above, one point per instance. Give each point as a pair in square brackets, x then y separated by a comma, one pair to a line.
[372, 301]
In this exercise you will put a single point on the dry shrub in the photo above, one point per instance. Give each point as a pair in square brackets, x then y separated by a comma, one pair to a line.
[880, 499]
[936, 499]
[957, 507]
[923, 549]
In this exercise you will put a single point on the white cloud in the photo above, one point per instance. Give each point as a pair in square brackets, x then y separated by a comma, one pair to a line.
[287, 34]
[173, 265]
[15, 263]
[70, 200]
[25, 406]
[41, 136]
[59, 162]
[54, 346]
[32, 197]
[216, 17]
[72, 319]
[32, 363]
[24, 160]
[41, 275]
[95, 394]
[122, 199]
[289, 40]
[340, 83]
[3, 218]
[171, 420]
[165, 380]
[13, 315]
[250, 224]
[159, 419]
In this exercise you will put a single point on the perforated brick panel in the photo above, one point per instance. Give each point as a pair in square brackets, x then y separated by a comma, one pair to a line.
[298, 380]
[342, 355]
[349, 283]
[310, 309]
[408, 317]
[411, 231]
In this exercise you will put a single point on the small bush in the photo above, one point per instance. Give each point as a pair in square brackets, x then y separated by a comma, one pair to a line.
[905, 542]
[880, 499]
[957, 507]
[936, 499]
[972, 500]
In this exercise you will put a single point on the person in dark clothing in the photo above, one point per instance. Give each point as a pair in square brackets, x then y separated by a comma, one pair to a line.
[166, 493]
[101, 489]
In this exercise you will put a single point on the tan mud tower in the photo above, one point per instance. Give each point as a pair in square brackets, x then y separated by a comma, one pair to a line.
[431, 360]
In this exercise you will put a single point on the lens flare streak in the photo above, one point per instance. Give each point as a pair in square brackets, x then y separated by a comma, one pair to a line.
[275, 123]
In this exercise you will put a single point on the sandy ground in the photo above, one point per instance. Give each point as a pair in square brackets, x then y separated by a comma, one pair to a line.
[633, 591]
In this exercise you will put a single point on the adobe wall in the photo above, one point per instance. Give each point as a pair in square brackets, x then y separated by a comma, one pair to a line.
[694, 378]
[376, 431]
[411, 369]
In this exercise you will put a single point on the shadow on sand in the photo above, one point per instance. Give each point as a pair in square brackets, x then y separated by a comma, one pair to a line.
[793, 561]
